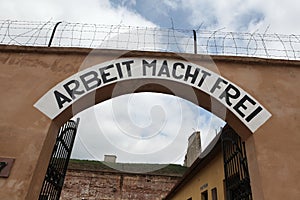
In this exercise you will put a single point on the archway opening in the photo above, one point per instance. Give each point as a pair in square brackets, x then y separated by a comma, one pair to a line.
[137, 126]
[228, 103]
[110, 115]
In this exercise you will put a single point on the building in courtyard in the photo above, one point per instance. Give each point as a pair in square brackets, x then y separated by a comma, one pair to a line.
[119, 181]
[220, 172]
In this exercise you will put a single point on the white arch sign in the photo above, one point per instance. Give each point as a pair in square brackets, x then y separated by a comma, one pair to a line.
[65, 93]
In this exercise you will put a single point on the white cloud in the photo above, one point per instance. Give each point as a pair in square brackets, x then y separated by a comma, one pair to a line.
[79, 11]
[236, 15]
[127, 134]
[173, 4]
[248, 15]
[281, 16]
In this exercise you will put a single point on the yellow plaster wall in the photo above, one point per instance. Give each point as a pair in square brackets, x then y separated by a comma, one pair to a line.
[212, 174]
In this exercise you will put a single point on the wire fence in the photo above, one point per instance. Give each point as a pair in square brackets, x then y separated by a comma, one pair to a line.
[64, 34]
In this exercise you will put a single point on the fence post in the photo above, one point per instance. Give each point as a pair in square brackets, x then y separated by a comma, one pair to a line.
[195, 42]
[53, 32]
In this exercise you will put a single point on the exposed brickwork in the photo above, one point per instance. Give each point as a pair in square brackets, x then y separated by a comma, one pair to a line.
[111, 185]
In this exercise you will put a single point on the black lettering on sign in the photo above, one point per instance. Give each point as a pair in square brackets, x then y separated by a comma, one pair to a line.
[217, 84]
[74, 90]
[193, 75]
[228, 95]
[61, 99]
[253, 114]
[241, 104]
[175, 68]
[120, 73]
[204, 75]
[128, 67]
[105, 74]
[90, 80]
[149, 65]
[164, 70]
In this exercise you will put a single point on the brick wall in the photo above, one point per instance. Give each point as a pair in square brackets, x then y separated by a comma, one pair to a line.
[112, 185]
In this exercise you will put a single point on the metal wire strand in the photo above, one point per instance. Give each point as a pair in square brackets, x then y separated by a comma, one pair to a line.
[214, 42]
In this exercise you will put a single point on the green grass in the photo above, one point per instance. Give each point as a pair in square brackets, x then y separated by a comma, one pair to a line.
[163, 169]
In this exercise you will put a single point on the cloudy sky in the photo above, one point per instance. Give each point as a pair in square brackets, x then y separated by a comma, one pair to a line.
[233, 15]
[154, 127]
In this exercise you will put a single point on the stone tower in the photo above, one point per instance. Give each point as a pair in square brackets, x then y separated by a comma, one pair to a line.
[194, 149]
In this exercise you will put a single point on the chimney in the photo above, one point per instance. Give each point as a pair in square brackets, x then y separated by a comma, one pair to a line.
[110, 158]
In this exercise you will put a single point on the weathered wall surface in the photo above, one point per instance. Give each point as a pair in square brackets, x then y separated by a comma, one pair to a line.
[103, 185]
[209, 177]
[24, 131]
[27, 135]
[193, 150]
[272, 151]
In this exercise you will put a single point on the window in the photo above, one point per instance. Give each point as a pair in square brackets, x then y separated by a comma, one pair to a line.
[214, 194]
[204, 195]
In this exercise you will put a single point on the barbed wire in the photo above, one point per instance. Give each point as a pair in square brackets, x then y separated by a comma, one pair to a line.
[31, 33]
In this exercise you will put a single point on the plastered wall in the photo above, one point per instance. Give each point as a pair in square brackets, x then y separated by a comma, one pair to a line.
[28, 135]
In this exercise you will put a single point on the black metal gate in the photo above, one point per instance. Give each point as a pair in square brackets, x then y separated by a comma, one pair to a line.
[58, 164]
[237, 178]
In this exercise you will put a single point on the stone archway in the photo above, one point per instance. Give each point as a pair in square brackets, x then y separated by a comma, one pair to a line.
[154, 74]
[31, 72]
